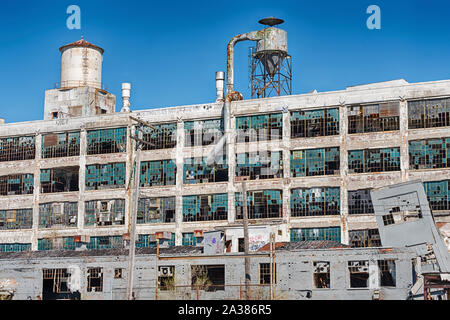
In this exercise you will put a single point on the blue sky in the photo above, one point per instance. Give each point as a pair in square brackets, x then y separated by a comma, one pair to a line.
[170, 50]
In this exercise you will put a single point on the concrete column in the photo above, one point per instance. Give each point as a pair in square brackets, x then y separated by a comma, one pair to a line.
[286, 156]
[179, 183]
[343, 130]
[36, 191]
[82, 178]
[231, 160]
[404, 147]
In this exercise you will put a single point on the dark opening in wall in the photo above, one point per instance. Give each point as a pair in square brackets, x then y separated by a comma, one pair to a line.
[259, 127]
[208, 277]
[374, 160]
[53, 215]
[360, 202]
[205, 207]
[429, 154]
[106, 141]
[259, 165]
[95, 280]
[166, 278]
[315, 201]
[156, 210]
[101, 213]
[162, 136]
[59, 179]
[315, 162]
[17, 148]
[59, 145]
[265, 275]
[430, 113]
[359, 274]
[387, 273]
[197, 171]
[321, 274]
[261, 204]
[315, 123]
[203, 132]
[158, 173]
[374, 118]
[105, 176]
[364, 238]
[16, 219]
[16, 184]
[55, 285]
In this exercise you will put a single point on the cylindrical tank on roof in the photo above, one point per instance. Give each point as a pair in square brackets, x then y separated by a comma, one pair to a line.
[81, 65]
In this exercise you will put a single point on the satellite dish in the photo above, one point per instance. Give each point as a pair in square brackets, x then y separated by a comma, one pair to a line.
[271, 21]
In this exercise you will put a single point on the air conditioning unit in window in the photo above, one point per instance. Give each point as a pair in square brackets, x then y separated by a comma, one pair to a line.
[165, 272]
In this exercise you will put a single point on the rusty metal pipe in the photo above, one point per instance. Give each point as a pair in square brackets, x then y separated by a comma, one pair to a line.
[252, 36]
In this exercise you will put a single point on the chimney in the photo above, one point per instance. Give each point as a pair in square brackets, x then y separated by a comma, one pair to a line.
[126, 89]
[220, 80]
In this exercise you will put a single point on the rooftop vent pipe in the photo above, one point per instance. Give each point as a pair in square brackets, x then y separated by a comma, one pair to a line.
[126, 90]
[220, 81]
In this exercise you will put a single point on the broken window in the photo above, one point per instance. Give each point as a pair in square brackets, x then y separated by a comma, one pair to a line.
[260, 204]
[429, 154]
[102, 213]
[195, 170]
[59, 180]
[265, 275]
[17, 148]
[374, 118]
[118, 273]
[156, 210]
[166, 278]
[203, 132]
[259, 165]
[53, 215]
[158, 173]
[316, 234]
[403, 208]
[205, 207]
[208, 277]
[149, 240]
[374, 160]
[16, 219]
[315, 201]
[95, 280]
[55, 284]
[259, 127]
[105, 176]
[315, 123]
[106, 141]
[321, 274]
[364, 238]
[17, 184]
[429, 113]
[387, 273]
[64, 243]
[15, 247]
[360, 202]
[359, 273]
[315, 162]
[161, 136]
[58, 145]
[189, 239]
[105, 242]
[438, 194]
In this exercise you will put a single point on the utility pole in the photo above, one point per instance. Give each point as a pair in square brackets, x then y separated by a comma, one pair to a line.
[139, 141]
[246, 240]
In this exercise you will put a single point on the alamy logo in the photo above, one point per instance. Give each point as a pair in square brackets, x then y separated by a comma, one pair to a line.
[74, 20]
[374, 21]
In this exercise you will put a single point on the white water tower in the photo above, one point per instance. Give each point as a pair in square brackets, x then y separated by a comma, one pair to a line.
[81, 65]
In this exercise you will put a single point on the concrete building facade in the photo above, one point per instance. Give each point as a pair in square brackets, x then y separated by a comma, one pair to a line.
[308, 160]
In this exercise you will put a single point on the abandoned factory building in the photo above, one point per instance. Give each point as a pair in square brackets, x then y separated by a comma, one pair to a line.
[309, 162]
